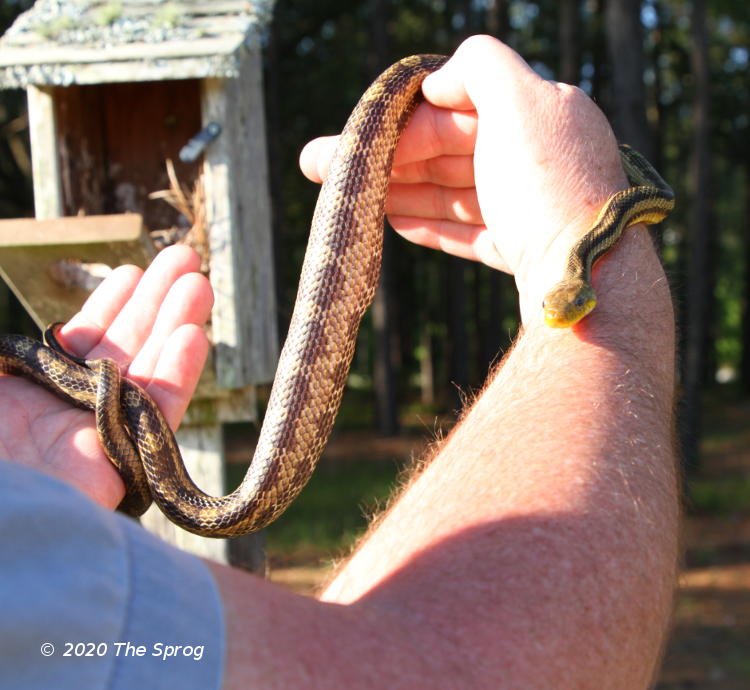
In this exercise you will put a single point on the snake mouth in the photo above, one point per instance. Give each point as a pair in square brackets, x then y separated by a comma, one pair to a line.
[569, 316]
[553, 318]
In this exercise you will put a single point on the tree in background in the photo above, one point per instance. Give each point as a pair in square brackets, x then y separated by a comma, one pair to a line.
[570, 42]
[698, 297]
[385, 307]
[624, 34]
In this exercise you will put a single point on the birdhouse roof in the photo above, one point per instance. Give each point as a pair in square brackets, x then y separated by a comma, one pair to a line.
[64, 42]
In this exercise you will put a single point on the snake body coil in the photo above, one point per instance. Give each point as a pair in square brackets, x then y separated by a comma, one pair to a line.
[339, 277]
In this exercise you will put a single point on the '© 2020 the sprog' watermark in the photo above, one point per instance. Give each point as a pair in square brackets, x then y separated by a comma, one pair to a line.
[162, 650]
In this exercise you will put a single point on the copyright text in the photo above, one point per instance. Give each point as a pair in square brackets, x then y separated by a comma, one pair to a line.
[125, 649]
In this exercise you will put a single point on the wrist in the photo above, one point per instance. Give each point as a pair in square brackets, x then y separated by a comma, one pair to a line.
[633, 299]
[632, 289]
[546, 264]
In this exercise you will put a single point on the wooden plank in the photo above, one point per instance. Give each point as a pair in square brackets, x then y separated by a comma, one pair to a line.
[254, 249]
[44, 161]
[221, 17]
[213, 405]
[139, 140]
[31, 232]
[52, 54]
[238, 208]
[82, 150]
[30, 252]
[187, 7]
[112, 155]
[13, 77]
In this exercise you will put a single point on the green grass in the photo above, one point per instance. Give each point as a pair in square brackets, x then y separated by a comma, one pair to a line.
[721, 484]
[719, 496]
[331, 512]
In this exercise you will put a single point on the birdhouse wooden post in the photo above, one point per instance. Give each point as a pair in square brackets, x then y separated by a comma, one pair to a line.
[115, 90]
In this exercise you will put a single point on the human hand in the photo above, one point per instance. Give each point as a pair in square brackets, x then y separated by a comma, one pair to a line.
[151, 324]
[498, 165]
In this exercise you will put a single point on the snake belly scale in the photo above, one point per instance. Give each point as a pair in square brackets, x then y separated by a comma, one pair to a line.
[339, 277]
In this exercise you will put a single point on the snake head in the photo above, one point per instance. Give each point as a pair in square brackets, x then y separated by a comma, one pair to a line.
[568, 302]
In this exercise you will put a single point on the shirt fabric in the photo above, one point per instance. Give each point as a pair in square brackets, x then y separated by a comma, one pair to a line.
[89, 599]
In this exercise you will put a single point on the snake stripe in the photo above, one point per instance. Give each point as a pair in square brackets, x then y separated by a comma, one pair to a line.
[628, 208]
[648, 200]
[339, 277]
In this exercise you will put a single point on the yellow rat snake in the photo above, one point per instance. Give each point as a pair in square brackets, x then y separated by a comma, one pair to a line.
[339, 277]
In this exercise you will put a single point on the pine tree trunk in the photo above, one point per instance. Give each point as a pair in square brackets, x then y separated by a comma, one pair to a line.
[384, 376]
[657, 159]
[493, 336]
[497, 25]
[497, 18]
[570, 41]
[699, 265]
[458, 351]
[628, 93]
[599, 50]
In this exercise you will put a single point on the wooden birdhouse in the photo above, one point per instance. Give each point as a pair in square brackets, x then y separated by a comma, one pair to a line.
[117, 92]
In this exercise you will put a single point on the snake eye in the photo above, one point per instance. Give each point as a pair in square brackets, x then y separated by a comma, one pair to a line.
[580, 301]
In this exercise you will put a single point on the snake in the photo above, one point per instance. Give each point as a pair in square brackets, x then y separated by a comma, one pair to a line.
[648, 200]
[339, 277]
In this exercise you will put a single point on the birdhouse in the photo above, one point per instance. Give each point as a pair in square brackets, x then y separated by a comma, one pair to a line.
[147, 127]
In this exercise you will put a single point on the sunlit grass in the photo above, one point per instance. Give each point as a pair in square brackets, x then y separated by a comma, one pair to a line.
[332, 511]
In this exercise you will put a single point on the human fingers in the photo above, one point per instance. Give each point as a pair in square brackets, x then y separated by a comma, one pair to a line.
[119, 334]
[177, 369]
[434, 201]
[450, 171]
[545, 160]
[189, 301]
[536, 139]
[473, 242]
[471, 78]
[315, 158]
[82, 332]
[431, 133]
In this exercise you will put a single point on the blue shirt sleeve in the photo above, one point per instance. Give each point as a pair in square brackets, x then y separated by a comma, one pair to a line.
[89, 599]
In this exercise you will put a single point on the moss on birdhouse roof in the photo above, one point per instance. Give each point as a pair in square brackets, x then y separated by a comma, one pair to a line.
[63, 42]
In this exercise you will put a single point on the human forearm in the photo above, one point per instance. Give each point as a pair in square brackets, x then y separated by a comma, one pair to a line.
[538, 547]
[550, 514]
[542, 560]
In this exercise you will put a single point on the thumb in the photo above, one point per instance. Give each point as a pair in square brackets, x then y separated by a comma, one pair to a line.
[315, 158]
[483, 71]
